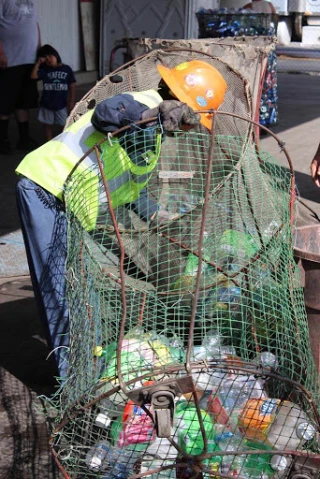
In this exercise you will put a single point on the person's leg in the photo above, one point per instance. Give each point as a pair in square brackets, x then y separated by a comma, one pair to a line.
[46, 117]
[9, 88]
[44, 226]
[27, 99]
[60, 118]
[5, 146]
[48, 131]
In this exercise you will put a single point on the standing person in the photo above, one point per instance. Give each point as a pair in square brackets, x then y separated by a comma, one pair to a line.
[315, 167]
[43, 174]
[57, 99]
[19, 41]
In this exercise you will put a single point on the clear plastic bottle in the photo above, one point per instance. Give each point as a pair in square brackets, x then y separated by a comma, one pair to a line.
[232, 464]
[282, 424]
[291, 427]
[213, 344]
[119, 462]
[174, 345]
[96, 455]
[159, 454]
[268, 360]
[235, 392]
[204, 379]
[109, 410]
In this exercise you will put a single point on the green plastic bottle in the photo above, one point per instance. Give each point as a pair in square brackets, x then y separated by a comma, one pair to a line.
[187, 280]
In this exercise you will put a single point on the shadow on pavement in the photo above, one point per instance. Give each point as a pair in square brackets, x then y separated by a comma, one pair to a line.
[25, 373]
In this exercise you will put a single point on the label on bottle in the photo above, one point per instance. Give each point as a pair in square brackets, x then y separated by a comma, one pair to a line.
[257, 416]
[216, 408]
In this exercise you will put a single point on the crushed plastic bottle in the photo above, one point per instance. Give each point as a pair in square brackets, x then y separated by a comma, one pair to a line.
[109, 410]
[235, 392]
[268, 361]
[203, 378]
[141, 352]
[174, 345]
[188, 279]
[282, 424]
[231, 464]
[157, 455]
[237, 244]
[228, 399]
[189, 434]
[119, 462]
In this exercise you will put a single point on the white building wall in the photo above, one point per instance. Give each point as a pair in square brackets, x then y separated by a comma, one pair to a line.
[60, 26]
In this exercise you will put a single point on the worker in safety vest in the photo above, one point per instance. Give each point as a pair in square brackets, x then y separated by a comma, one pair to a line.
[194, 85]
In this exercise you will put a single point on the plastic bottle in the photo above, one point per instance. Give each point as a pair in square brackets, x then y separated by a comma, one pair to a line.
[264, 465]
[141, 352]
[211, 349]
[174, 345]
[227, 401]
[237, 244]
[108, 411]
[231, 464]
[187, 280]
[96, 455]
[282, 424]
[118, 462]
[189, 434]
[235, 392]
[160, 453]
[203, 378]
[291, 429]
[213, 343]
[268, 360]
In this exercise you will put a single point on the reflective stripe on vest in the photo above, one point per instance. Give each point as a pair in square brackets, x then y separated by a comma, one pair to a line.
[60, 155]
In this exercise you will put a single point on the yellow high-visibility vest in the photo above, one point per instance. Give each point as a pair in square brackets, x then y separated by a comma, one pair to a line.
[50, 165]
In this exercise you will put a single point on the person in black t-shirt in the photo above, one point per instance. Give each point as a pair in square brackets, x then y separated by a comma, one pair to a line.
[58, 94]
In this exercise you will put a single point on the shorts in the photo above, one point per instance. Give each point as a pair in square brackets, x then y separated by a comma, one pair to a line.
[17, 89]
[50, 117]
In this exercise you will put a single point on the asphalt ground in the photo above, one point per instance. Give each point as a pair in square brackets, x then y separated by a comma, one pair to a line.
[26, 371]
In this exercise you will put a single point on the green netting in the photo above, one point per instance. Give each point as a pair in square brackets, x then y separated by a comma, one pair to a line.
[202, 306]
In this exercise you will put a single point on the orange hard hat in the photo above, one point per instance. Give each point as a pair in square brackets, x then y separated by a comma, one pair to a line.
[198, 84]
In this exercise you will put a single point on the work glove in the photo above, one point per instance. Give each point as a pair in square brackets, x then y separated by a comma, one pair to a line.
[173, 115]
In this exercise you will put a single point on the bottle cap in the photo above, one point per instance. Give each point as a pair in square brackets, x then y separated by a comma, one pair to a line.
[305, 430]
[279, 463]
[95, 463]
[102, 420]
[98, 351]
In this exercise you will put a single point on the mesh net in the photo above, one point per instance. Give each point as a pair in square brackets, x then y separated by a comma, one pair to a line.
[189, 349]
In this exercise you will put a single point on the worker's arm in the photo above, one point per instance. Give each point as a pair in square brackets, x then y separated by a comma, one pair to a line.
[122, 110]
[3, 57]
[315, 167]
